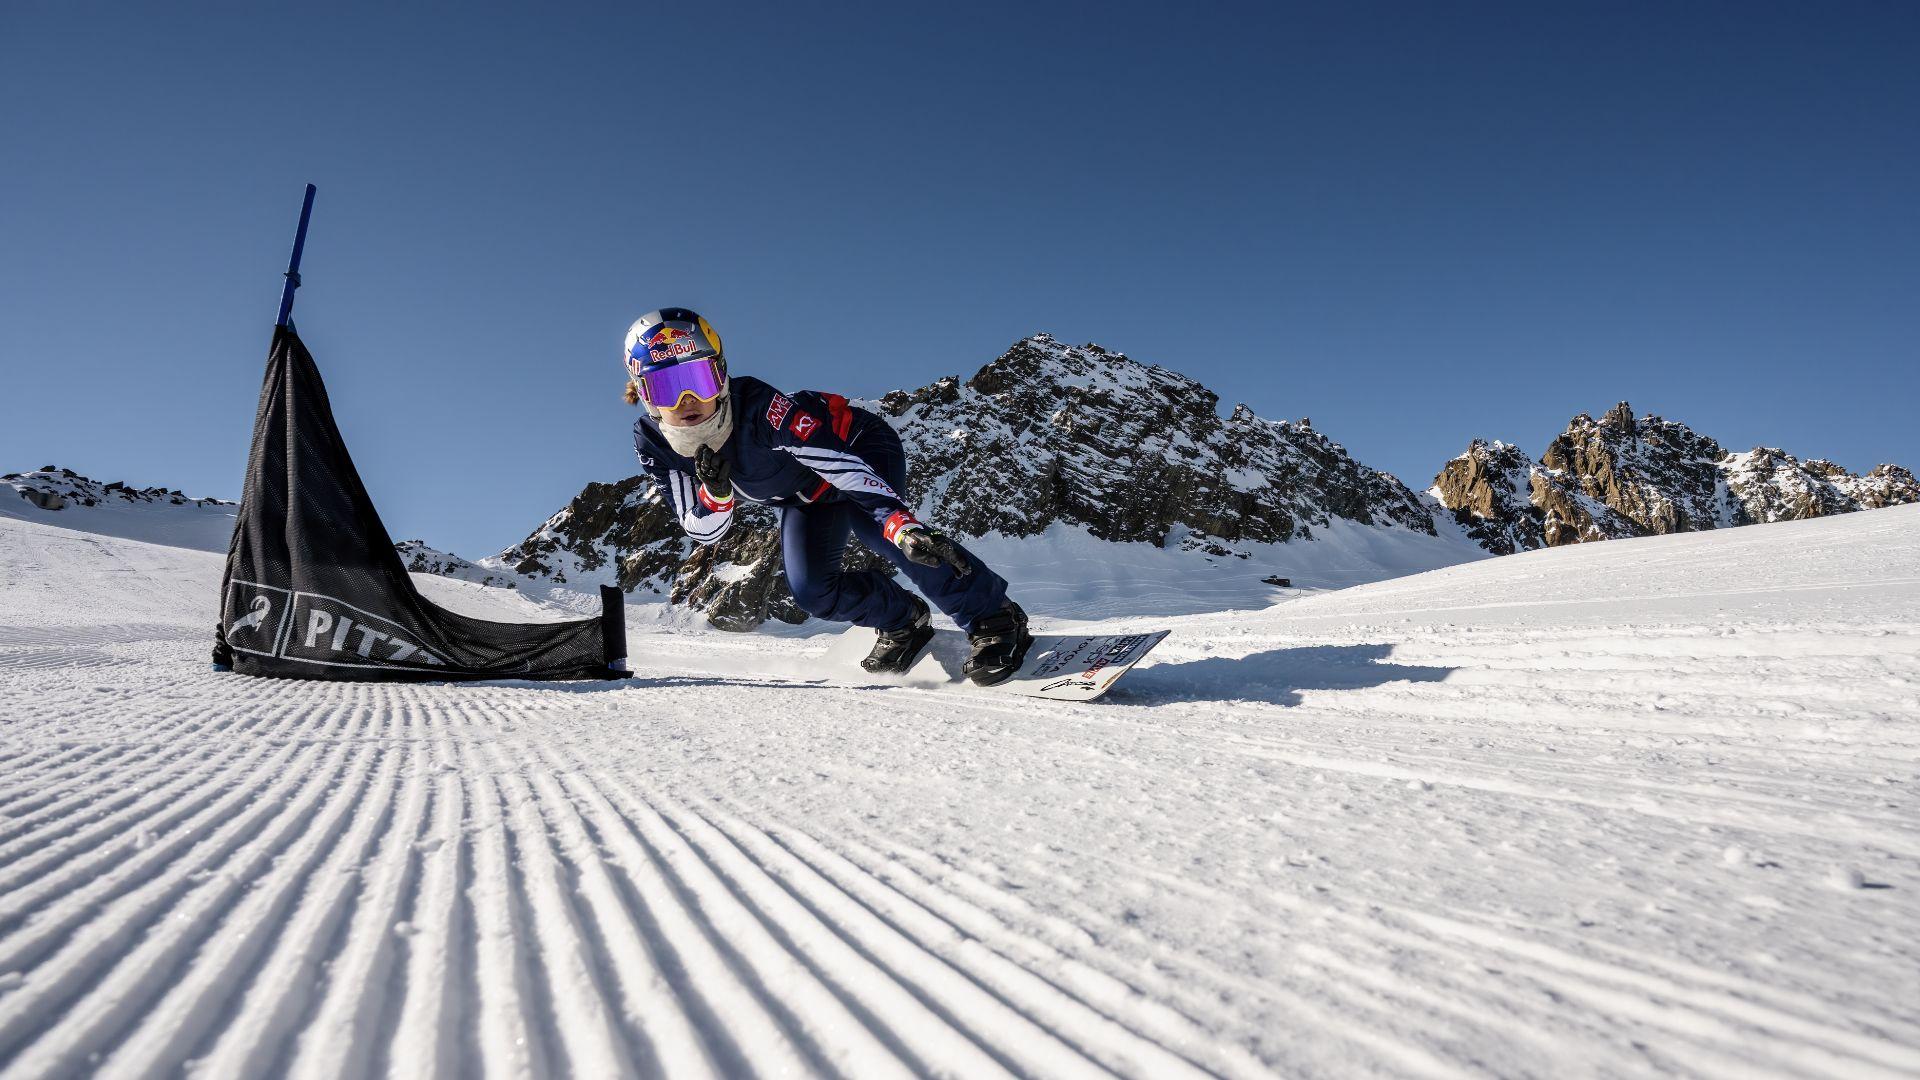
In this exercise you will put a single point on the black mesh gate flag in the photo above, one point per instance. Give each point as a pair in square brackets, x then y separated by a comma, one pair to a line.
[314, 589]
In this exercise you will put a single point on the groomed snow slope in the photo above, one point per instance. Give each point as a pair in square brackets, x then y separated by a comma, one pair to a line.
[1630, 808]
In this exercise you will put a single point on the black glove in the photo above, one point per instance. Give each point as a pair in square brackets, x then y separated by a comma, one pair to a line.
[714, 473]
[929, 548]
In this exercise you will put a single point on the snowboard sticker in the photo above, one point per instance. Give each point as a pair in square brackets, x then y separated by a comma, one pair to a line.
[1063, 667]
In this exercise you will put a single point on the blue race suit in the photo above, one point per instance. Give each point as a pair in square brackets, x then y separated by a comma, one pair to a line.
[833, 471]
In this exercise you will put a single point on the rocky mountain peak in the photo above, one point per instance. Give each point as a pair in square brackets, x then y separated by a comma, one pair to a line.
[1883, 485]
[1489, 490]
[1049, 433]
[1041, 370]
[1657, 475]
[1624, 475]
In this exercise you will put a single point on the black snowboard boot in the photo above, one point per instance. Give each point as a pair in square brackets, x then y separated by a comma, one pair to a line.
[896, 650]
[1000, 642]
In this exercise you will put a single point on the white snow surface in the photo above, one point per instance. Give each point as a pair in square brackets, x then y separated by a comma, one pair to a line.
[1632, 808]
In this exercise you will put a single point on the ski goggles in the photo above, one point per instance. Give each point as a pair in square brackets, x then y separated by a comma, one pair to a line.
[663, 387]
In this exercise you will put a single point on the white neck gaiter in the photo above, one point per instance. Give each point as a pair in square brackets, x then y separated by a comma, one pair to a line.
[711, 432]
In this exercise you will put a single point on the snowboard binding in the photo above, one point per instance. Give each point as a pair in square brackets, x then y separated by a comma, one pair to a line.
[894, 651]
[1000, 642]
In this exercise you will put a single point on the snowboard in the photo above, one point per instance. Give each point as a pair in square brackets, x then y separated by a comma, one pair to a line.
[1063, 667]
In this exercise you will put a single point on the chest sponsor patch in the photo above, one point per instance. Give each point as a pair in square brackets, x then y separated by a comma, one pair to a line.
[777, 410]
[803, 426]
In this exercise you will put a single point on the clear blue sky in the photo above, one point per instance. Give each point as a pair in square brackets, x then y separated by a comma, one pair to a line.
[1415, 222]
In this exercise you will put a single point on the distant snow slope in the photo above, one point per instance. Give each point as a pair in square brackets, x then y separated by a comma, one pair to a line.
[1068, 574]
[1630, 808]
[153, 514]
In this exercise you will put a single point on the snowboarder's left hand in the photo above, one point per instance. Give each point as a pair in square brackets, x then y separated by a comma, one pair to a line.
[929, 548]
[715, 474]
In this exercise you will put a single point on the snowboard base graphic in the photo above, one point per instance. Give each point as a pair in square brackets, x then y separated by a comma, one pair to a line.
[1064, 667]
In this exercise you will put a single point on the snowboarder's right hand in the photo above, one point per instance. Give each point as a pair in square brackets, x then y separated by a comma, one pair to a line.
[714, 473]
[929, 548]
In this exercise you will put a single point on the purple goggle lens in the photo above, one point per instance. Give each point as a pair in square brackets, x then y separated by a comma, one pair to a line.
[663, 388]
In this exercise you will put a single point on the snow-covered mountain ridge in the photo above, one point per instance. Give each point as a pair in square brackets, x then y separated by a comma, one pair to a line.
[65, 498]
[421, 559]
[51, 487]
[1625, 476]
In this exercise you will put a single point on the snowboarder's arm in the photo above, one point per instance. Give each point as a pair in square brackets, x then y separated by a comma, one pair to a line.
[704, 518]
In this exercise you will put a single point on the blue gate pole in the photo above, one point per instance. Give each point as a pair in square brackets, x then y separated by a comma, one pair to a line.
[293, 264]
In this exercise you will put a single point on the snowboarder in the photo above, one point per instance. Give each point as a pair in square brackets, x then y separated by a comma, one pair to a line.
[832, 471]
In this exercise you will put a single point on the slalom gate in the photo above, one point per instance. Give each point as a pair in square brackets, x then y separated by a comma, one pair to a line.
[313, 588]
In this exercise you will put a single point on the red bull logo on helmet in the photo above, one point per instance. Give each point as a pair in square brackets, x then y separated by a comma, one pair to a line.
[670, 342]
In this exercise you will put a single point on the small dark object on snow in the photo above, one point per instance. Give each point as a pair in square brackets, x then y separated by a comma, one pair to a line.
[1282, 582]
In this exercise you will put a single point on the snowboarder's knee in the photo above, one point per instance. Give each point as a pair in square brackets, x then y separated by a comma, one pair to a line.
[817, 594]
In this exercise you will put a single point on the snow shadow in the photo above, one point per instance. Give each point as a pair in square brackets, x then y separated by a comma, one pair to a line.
[1276, 676]
[637, 682]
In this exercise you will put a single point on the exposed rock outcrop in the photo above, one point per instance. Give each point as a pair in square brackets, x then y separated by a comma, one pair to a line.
[1568, 515]
[1773, 485]
[1052, 433]
[1490, 492]
[738, 582]
[1883, 485]
[621, 534]
[1622, 476]
[1658, 475]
